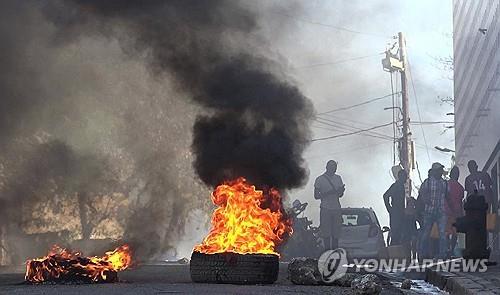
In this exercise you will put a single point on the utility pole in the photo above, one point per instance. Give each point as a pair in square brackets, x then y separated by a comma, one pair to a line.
[405, 140]
[393, 63]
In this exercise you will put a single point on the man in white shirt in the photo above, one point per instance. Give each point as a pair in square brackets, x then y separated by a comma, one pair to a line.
[329, 188]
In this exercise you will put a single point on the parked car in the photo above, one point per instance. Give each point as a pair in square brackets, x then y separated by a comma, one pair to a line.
[361, 234]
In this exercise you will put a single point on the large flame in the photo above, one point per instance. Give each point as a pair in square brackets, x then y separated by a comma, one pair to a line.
[246, 220]
[63, 264]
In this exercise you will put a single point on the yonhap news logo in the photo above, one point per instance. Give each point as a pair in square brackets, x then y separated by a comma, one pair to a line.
[404, 265]
[332, 265]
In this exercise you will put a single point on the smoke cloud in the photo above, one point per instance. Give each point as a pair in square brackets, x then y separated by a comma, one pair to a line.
[97, 95]
[258, 122]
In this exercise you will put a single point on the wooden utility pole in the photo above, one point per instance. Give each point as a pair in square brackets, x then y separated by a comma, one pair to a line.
[393, 63]
[405, 140]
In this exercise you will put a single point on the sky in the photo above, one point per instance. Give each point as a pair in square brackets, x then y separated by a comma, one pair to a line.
[333, 31]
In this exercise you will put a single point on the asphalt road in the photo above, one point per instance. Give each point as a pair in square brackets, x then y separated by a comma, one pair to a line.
[164, 279]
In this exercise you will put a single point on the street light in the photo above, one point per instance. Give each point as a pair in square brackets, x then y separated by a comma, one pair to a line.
[444, 149]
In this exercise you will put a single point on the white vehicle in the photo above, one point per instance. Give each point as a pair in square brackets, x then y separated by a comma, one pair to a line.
[361, 234]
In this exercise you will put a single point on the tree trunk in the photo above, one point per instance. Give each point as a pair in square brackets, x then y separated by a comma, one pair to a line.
[83, 212]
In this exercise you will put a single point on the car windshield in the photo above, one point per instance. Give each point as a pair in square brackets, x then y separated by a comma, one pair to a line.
[356, 219]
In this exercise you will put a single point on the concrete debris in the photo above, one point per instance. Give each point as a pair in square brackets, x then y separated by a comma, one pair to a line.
[304, 271]
[406, 284]
[346, 280]
[366, 285]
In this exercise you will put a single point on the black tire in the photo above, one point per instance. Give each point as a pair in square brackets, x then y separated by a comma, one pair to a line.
[233, 268]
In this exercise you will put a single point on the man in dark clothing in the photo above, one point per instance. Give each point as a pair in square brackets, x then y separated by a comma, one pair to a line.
[329, 188]
[480, 182]
[394, 199]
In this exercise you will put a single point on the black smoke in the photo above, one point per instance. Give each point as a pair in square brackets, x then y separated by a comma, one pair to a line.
[73, 127]
[256, 122]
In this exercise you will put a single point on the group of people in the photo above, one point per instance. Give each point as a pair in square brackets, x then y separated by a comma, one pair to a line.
[423, 224]
[438, 204]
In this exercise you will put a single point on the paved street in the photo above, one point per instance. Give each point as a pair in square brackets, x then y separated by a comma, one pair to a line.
[165, 279]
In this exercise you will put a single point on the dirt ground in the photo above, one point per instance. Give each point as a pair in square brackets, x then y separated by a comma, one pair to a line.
[163, 279]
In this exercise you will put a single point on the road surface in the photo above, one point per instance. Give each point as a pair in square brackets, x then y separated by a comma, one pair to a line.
[164, 279]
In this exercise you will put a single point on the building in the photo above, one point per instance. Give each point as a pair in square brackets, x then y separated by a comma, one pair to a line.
[476, 54]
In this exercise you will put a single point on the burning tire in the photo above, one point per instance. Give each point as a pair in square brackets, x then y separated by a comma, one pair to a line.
[233, 268]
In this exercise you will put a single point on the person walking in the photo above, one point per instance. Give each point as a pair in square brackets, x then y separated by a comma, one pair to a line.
[394, 200]
[453, 208]
[329, 188]
[433, 193]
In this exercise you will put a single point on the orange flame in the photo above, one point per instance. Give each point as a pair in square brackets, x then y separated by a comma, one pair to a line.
[246, 220]
[62, 264]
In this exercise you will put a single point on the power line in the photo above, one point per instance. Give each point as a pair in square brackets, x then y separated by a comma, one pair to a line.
[369, 135]
[296, 18]
[336, 62]
[346, 151]
[431, 122]
[355, 105]
[351, 133]
[342, 118]
[362, 134]
[418, 110]
[344, 127]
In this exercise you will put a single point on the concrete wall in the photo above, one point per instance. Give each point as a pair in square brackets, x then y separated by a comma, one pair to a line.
[477, 83]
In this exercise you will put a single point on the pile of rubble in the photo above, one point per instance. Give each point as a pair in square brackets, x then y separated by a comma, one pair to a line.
[304, 271]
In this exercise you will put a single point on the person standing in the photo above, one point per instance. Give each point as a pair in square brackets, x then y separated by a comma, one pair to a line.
[479, 182]
[394, 200]
[453, 207]
[329, 188]
[410, 236]
[433, 192]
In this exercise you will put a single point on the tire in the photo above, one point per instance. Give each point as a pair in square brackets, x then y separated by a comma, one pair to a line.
[233, 268]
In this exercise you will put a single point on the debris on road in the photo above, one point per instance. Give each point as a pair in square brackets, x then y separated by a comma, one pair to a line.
[406, 284]
[366, 285]
[346, 280]
[304, 271]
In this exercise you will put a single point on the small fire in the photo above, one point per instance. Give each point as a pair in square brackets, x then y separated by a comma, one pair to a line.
[64, 265]
[247, 221]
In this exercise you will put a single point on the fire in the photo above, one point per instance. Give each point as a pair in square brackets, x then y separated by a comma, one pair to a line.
[247, 221]
[62, 265]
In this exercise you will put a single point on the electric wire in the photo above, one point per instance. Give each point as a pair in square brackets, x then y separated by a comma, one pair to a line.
[351, 133]
[344, 127]
[298, 19]
[336, 62]
[346, 151]
[355, 105]
[418, 110]
[393, 124]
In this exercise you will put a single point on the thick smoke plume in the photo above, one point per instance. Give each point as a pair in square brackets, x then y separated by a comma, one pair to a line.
[82, 119]
[258, 125]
